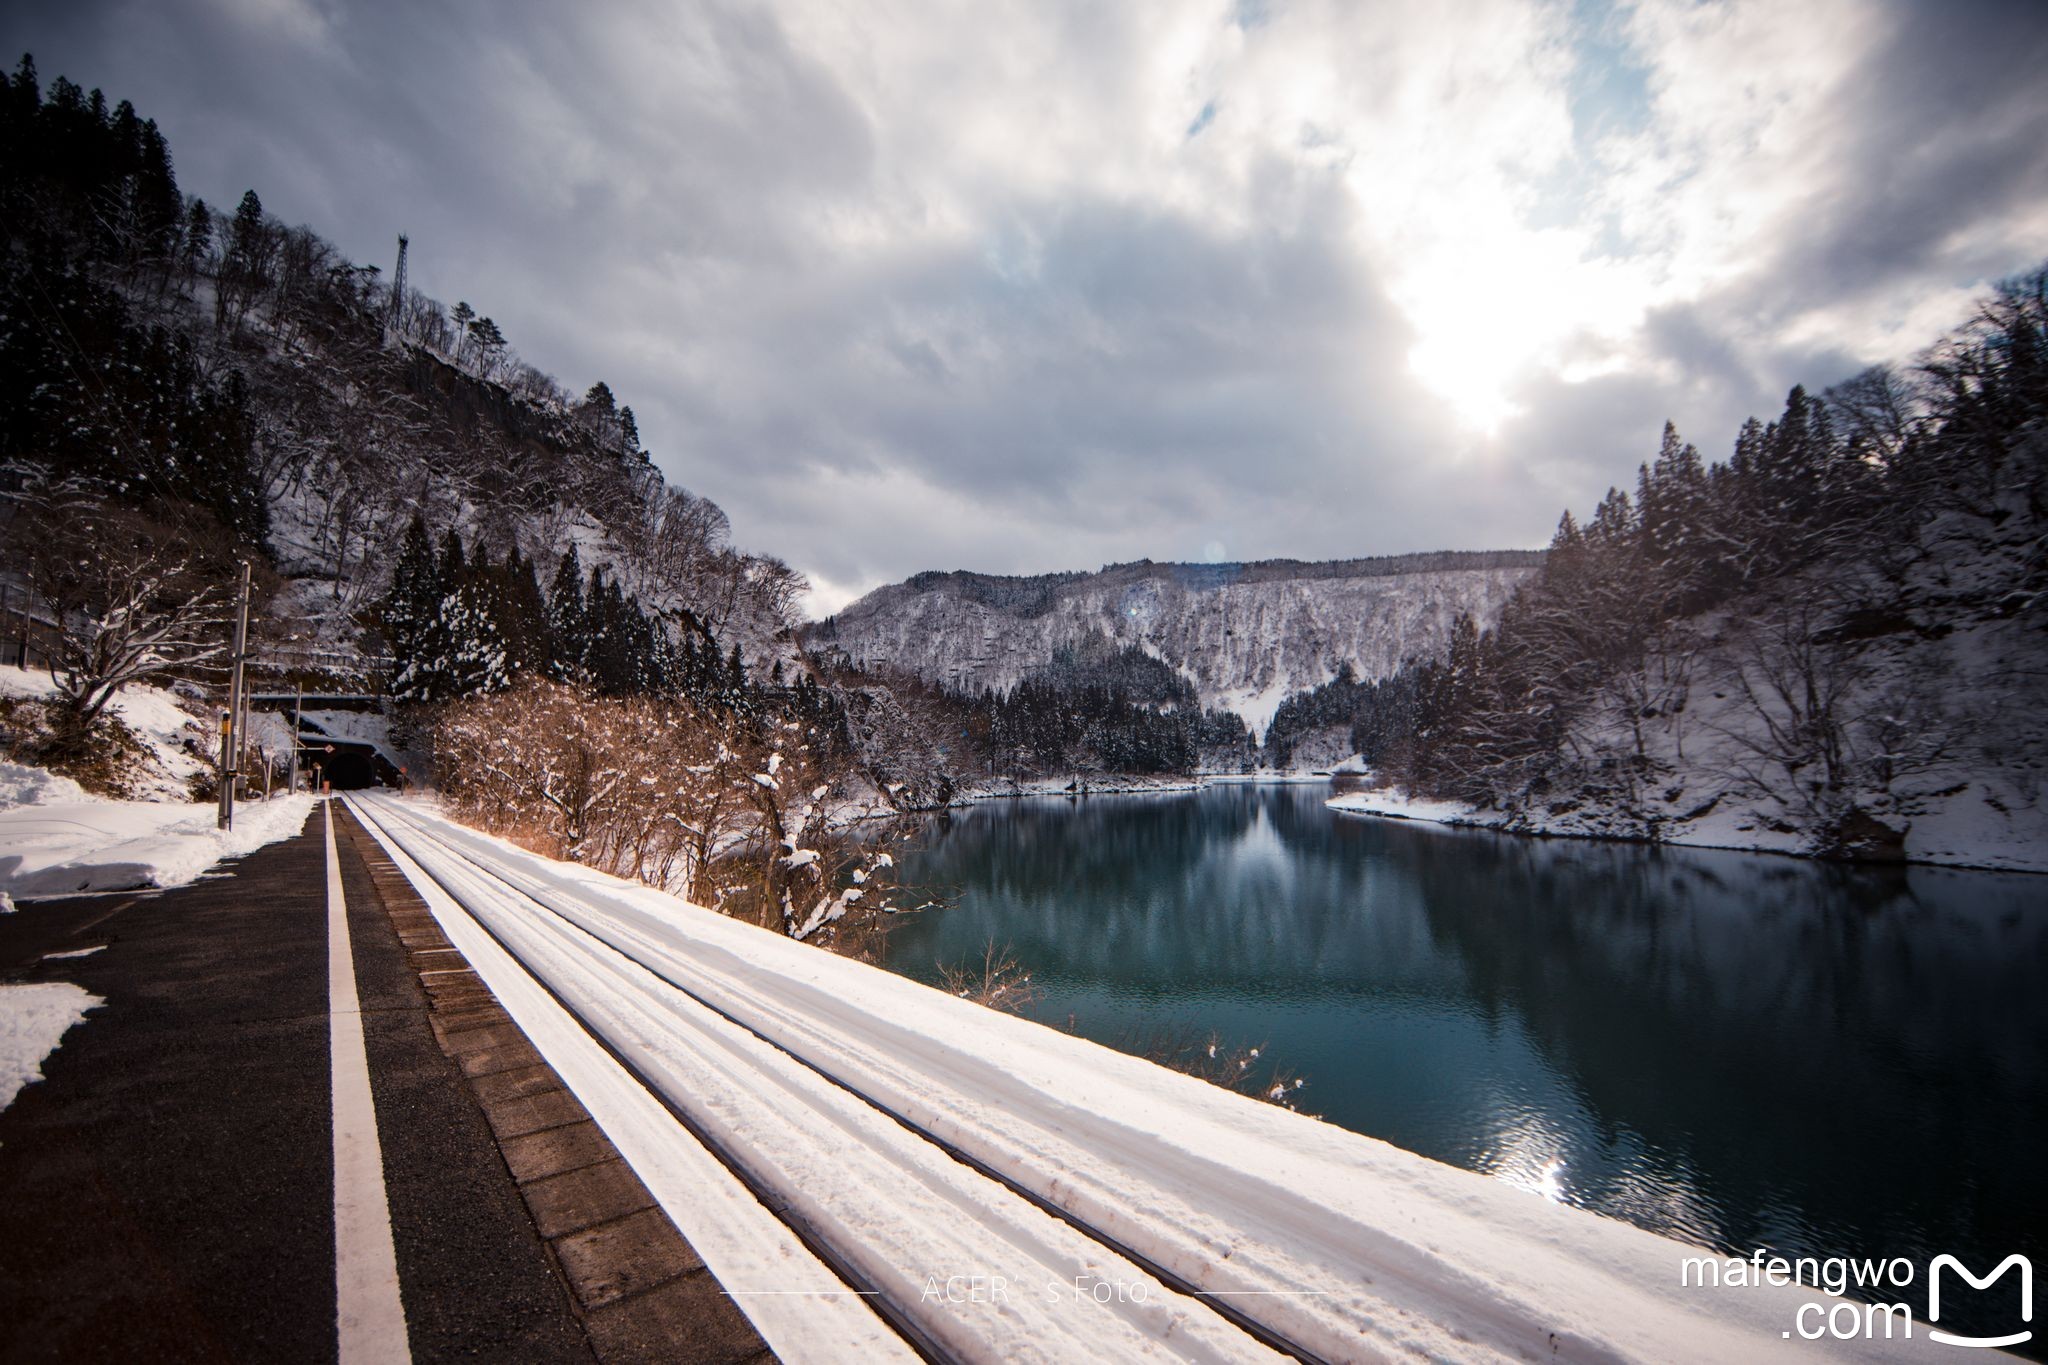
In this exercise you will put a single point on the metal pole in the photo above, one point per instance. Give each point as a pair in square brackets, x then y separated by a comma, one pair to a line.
[298, 708]
[241, 687]
[20, 621]
[242, 741]
[230, 738]
[227, 807]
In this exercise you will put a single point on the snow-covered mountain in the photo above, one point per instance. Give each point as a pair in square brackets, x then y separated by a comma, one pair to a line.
[1246, 636]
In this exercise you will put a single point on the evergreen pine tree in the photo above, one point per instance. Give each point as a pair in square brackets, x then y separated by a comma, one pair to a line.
[157, 197]
[522, 615]
[735, 681]
[415, 596]
[198, 238]
[600, 615]
[474, 658]
[453, 569]
[243, 268]
[568, 628]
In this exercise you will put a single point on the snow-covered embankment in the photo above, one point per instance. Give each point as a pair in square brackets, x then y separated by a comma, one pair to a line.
[844, 1092]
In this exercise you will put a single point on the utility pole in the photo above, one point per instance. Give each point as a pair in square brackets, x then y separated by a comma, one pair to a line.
[298, 709]
[229, 753]
[226, 819]
[241, 733]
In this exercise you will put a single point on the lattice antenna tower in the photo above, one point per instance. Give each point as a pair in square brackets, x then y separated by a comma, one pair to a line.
[397, 287]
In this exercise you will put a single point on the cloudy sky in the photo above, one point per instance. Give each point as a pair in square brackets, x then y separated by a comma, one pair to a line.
[1030, 286]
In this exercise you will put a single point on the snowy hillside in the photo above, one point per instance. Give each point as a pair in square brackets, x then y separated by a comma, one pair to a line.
[1246, 636]
[1932, 703]
[58, 839]
[239, 390]
[1832, 643]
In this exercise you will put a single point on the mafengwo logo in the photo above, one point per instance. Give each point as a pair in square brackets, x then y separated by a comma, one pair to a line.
[2012, 1262]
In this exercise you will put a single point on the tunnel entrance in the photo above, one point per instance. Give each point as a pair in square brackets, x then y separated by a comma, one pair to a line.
[351, 767]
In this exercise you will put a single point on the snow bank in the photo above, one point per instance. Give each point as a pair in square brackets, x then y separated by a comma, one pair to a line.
[1727, 828]
[1391, 803]
[1124, 784]
[33, 1020]
[24, 683]
[62, 848]
[157, 716]
[1269, 777]
[1966, 832]
[1064, 784]
[22, 785]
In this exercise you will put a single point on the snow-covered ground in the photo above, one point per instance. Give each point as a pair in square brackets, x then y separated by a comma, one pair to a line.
[1278, 777]
[1391, 803]
[33, 1020]
[1729, 828]
[1135, 784]
[1957, 834]
[64, 847]
[158, 718]
[58, 839]
[844, 1090]
[1069, 784]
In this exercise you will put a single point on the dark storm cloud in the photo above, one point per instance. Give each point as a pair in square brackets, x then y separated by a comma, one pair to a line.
[894, 321]
[1593, 435]
[1944, 129]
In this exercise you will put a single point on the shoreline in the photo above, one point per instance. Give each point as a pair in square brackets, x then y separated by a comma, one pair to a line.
[1455, 815]
[1126, 785]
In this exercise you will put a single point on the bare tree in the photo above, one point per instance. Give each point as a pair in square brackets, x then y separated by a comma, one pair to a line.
[998, 981]
[130, 599]
[1799, 687]
[1876, 413]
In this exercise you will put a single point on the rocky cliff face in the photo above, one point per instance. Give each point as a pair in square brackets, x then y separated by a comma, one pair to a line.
[1245, 635]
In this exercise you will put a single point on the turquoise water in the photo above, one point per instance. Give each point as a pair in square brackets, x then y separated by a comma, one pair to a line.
[1737, 1049]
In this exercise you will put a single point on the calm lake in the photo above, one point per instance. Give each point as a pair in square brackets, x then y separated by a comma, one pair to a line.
[1740, 1050]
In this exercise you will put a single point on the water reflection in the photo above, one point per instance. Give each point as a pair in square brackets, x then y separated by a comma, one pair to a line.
[1740, 1050]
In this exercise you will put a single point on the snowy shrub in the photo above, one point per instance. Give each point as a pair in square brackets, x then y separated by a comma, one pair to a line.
[999, 981]
[640, 787]
[732, 812]
[1205, 1055]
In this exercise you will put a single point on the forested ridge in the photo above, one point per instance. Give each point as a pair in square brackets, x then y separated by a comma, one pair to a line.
[239, 376]
[1835, 634]
[573, 642]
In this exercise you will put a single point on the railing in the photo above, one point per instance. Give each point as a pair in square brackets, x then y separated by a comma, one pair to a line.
[321, 661]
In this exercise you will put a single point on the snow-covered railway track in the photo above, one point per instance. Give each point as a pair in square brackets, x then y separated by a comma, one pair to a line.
[919, 1142]
[962, 1264]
